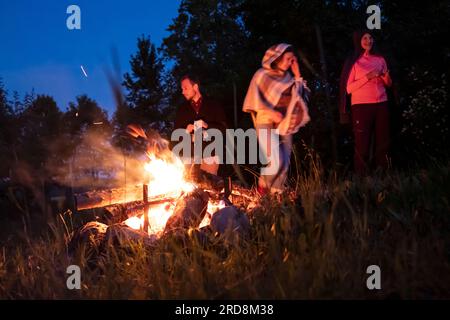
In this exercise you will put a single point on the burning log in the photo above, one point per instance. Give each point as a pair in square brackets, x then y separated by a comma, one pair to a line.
[189, 211]
[146, 206]
[104, 198]
[118, 213]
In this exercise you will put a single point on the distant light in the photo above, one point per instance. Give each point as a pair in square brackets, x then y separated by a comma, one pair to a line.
[101, 122]
[76, 114]
[82, 69]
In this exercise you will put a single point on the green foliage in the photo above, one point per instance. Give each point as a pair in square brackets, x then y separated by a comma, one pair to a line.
[426, 117]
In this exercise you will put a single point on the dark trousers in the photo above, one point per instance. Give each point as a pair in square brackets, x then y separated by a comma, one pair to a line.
[367, 120]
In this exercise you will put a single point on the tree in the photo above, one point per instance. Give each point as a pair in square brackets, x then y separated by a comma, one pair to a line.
[82, 118]
[5, 107]
[143, 84]
[208, 38]
[28, 99]
[86, 132]
[42, 127]
[83, 115]
[17, 104]
[7, 135]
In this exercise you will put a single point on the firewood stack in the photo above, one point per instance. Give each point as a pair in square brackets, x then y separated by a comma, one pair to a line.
[190, 210]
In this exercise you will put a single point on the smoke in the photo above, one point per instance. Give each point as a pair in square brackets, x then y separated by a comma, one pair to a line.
[95, 163]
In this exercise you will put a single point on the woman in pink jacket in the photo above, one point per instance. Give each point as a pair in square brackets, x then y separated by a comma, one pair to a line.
[365, 77]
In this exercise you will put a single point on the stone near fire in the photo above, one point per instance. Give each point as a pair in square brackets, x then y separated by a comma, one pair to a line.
[189, 211]
[122, 235]
[91, 235]
[230, 219]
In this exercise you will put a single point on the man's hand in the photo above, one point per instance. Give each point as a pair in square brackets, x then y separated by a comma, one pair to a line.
[190, 128]
[200, 124]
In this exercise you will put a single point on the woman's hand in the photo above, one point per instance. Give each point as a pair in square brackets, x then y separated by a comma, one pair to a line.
[277, 117]
[372, 74]
[295, 68]
[386, 78]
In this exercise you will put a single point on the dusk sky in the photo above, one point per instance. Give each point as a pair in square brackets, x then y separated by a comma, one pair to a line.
[39, 51]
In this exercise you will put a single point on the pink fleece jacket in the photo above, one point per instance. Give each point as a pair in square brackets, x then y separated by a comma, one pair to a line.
[363, 90]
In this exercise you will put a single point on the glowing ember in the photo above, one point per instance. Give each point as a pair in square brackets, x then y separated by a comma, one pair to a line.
[135, 223]
[157, 217]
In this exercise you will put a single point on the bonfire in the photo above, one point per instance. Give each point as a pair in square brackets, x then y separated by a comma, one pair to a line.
[168, 199]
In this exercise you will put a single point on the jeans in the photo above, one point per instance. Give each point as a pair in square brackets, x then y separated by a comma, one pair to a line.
[283, 144]
[368, 119]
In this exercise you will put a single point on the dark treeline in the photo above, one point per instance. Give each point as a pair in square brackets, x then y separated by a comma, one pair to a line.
[223, 42]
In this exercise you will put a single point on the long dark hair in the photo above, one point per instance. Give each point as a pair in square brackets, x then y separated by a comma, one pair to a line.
[357, 49]
[348, 64]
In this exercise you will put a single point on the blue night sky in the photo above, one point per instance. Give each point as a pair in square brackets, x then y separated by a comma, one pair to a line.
[38, 50]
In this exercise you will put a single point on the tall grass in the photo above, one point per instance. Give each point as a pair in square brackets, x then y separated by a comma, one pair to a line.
[314, 242]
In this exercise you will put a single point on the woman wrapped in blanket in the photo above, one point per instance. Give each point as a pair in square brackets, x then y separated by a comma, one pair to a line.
[277, 98]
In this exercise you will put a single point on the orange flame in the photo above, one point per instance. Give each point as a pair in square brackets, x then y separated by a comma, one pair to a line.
[164, 175]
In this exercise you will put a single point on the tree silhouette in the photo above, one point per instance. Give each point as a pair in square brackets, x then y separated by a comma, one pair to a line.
[7, 133]
[42, 126]
[207, 38]
[83, 115]
[144, 87]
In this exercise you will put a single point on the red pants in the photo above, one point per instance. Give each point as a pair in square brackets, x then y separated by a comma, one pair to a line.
[368, 119]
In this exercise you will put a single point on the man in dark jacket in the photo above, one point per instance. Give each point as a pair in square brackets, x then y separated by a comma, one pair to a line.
[197, 111]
